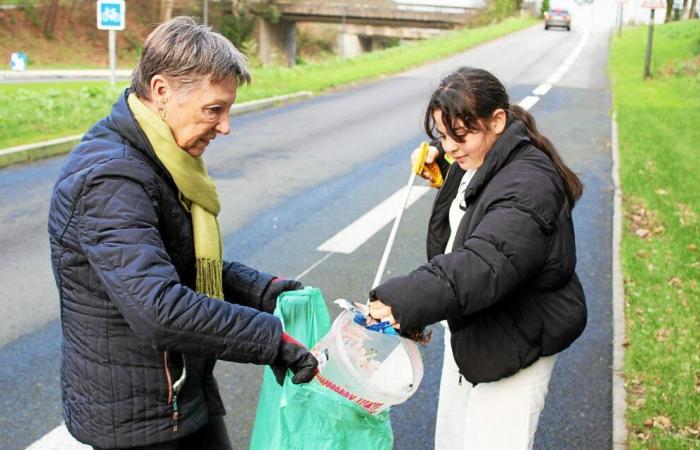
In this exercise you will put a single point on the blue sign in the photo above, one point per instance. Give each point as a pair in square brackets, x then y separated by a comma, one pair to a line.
[111, 14]
[18, 61]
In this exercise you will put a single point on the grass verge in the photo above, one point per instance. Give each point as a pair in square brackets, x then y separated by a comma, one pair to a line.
[659, 131]
[37, 111]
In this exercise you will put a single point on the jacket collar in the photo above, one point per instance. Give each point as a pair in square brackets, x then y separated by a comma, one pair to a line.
[505, 146]
[124, 122]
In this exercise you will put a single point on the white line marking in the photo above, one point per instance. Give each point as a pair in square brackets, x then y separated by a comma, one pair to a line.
[542, 89]
[554, 78]
[312, 267]
[358, 232]
[58, 439]
[529, 101]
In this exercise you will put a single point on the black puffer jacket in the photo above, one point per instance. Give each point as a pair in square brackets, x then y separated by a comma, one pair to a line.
[123, 258]
[508, 289]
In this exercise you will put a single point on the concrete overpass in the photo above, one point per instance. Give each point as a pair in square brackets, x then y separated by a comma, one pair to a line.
[361, 20]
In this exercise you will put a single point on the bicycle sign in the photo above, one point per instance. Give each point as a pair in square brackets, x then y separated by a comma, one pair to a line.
[111, 14]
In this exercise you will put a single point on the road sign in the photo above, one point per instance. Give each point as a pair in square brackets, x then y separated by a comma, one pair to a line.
[111, 14]
[653, 4]
[18, 61]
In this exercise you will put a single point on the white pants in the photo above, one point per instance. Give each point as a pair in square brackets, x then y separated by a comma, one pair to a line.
[501, 415]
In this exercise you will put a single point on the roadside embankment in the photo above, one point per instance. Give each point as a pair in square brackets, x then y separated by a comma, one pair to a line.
[658, 133]
[35, 112]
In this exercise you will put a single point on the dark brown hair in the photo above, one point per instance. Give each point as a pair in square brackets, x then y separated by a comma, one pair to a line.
[472, 95]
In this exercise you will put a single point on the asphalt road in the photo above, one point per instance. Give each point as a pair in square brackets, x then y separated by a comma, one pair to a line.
[292, 177]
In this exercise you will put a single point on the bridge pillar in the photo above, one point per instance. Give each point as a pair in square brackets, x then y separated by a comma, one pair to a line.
[277, 42]
[349, 45]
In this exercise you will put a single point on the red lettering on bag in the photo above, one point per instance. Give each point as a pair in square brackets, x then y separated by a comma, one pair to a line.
[368, 405]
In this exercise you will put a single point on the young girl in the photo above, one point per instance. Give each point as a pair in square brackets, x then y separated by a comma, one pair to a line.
[501, 268]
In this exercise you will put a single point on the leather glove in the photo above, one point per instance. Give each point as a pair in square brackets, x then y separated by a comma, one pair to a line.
[293, 355]
[274, 289]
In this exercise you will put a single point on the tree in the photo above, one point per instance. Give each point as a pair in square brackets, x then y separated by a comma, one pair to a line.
[692, 12]
[669, 11]
[50, 18]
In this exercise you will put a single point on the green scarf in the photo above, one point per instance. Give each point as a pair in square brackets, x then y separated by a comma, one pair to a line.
[197, 194]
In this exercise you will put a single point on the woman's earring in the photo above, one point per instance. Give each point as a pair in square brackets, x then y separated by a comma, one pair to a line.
[161, 111]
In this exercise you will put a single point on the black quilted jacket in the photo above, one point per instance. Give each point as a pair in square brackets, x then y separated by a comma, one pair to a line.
[123, 257]
[508, 289]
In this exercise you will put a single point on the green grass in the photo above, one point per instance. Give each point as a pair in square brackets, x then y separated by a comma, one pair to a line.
[36, 112]
[42, 111]
[659, 132]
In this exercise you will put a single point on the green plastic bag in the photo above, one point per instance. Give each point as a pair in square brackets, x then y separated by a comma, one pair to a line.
[310, 416]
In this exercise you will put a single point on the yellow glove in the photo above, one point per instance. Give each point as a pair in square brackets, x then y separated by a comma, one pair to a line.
[430, 171]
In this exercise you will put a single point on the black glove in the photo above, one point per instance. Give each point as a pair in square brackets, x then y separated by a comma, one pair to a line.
[274, 289]
[293, 355]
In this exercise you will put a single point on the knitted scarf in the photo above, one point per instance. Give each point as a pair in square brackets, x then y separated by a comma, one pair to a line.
[197, 194]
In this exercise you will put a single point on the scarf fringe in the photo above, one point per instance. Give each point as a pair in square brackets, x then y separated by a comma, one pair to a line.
[209, 277]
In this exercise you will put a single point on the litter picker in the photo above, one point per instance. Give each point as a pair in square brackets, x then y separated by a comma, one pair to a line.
[417, 168]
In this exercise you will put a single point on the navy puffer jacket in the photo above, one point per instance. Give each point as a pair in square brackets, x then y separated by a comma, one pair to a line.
[508, 288]
[122, 251]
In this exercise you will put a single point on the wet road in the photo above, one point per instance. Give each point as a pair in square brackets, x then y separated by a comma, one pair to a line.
[292, 177]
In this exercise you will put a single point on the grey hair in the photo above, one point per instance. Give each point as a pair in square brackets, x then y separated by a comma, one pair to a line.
[186, 53]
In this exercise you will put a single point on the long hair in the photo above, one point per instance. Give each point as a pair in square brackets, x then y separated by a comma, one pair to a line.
[472, 95]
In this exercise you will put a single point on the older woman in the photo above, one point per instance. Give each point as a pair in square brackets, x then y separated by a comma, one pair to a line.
[147, 304]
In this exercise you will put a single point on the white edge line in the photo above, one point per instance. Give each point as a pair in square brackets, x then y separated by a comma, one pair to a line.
[619, 394]
[313, 266]
[554, 78]
[364, 227]
[542, 89]
[528, 102]
[58, 439]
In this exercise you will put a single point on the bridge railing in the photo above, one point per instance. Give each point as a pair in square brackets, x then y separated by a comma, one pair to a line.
[425, 7]
[390, 11]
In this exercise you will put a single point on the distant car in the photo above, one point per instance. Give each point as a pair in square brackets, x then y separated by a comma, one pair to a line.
[557, 18]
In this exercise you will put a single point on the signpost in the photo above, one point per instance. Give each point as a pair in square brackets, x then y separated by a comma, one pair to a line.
[653, 5]
[111, 15]
[18, 61]
[621, 14]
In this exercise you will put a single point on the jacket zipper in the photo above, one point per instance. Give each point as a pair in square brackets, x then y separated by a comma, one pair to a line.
[172, 394]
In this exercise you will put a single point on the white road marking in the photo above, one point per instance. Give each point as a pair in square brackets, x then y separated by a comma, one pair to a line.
[58, 439]
[312, 267]
[529, 101]
[542, 89]
[554, 78]
[357, 233]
